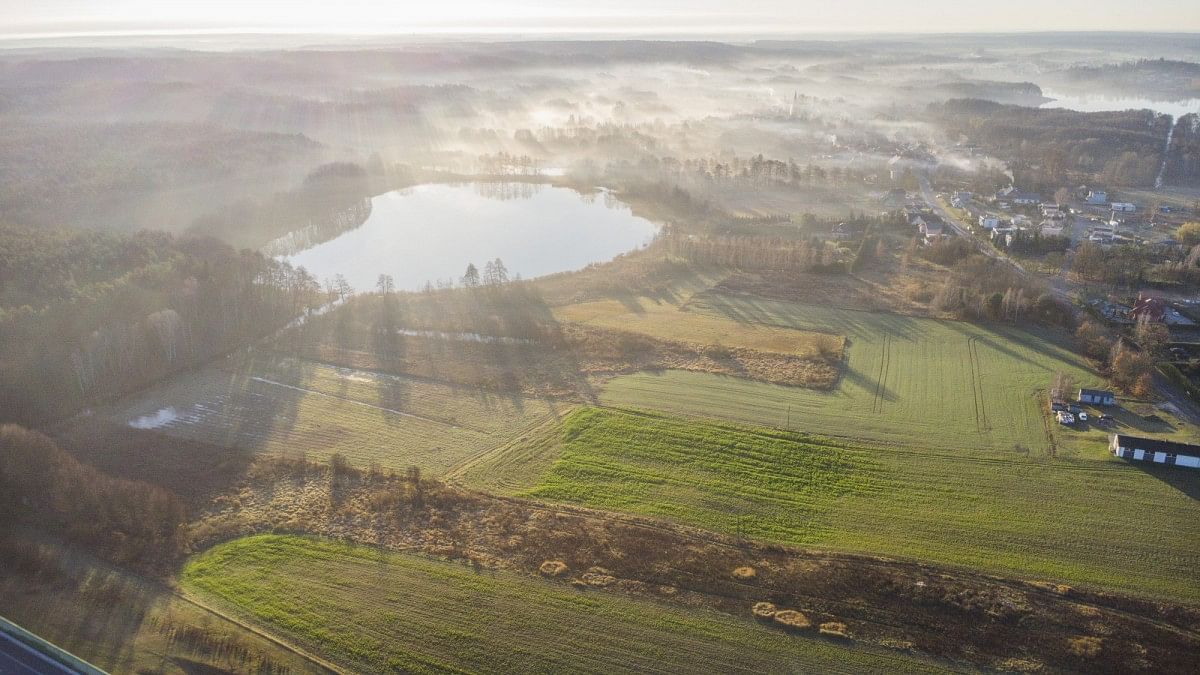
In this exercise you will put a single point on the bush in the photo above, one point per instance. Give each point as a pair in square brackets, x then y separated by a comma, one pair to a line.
[123, 520]
[1087, 647]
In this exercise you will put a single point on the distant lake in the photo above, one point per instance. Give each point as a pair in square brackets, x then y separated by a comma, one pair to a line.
[1101, 103]
[431, 232]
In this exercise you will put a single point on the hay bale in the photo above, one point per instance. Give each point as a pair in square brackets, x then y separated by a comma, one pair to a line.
[553, 568]
[598, 580]
[763, 610]
[792, 620]
[744, 573]
[896, 643]
[1087, 647]
[834, 629]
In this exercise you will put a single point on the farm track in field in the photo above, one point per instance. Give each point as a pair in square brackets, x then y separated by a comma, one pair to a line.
[352, 401]
[885, 362]
[977, 390]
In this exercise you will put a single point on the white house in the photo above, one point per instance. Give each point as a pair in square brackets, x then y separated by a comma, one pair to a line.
[989, 222]
[1124, 207]
[1154, 450]
[1097, 197]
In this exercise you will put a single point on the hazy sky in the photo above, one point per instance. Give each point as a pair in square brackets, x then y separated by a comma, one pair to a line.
[634, 16]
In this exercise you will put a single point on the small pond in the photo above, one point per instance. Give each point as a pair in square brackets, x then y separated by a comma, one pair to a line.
[431, 232]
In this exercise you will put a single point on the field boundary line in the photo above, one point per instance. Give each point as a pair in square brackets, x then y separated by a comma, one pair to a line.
[456, 472]
[278, 641]
[264, 380]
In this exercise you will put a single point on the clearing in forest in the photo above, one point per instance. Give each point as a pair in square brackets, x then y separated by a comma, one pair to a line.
[293, 407]
[398, 612]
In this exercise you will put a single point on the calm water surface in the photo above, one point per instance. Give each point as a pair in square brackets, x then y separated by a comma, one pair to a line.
[431, 232]
[1100, 103]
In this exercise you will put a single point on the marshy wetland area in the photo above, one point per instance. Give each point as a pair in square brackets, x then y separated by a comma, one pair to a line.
[600, 356]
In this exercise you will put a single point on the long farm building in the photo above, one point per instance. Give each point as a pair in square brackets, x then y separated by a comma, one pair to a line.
[1154, 450]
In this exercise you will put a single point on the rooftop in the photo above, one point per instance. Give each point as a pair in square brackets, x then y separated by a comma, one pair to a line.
[1156, 445]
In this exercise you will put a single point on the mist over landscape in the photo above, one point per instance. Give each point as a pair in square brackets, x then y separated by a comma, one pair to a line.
[509, 337]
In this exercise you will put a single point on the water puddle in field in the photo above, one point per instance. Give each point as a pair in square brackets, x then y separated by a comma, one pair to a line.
[465, 337]
[154, 420]
[432, 232]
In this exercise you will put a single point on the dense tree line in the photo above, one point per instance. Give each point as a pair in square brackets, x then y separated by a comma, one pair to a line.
[332, 199]
[1048, 148]
[1120, 265]
[758, 253]
[124, 521]
[1035, 243]
[755, 170]
[1183, 159]
[90, 315]
[1129, 369]
[980, 288]
[53, 173]
[1153, 77]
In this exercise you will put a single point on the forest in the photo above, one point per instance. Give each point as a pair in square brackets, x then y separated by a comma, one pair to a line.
[1049, 148]
[88, 315]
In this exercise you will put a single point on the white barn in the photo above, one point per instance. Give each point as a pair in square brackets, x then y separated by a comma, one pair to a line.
[1097, 397]
[1154, 450]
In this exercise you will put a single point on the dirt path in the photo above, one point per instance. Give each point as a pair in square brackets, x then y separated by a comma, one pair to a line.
[314, 392]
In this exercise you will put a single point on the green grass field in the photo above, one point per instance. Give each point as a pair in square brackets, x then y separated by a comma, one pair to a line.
[383, 612]
[292, 407]
[1072, 520]
[665, 320]
[123, 623]
[923, 382]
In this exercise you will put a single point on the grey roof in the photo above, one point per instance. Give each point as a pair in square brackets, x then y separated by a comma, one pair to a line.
[1157, 445]
[1096, 392]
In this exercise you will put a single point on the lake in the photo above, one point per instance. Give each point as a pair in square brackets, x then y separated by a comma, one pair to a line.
[1101, 103]
[431, 232]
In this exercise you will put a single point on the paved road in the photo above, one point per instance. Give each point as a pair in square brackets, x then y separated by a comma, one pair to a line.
[18, 659]
[1058, 286]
